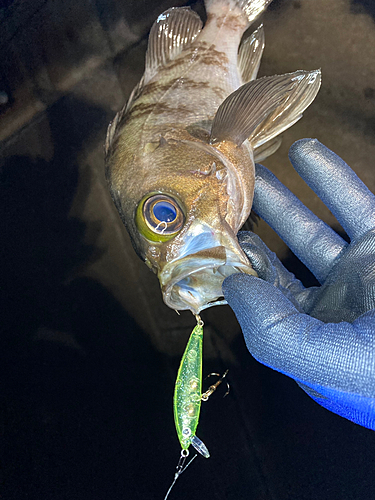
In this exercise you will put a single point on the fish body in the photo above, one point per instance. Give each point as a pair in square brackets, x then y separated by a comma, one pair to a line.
[180, 155]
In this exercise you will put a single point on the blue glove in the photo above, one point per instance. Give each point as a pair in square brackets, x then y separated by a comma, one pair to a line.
[323, 337]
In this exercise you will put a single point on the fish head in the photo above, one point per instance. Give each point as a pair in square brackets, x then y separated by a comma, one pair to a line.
[183, 202]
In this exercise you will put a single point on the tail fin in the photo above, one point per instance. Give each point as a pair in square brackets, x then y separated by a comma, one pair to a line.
[251, 9]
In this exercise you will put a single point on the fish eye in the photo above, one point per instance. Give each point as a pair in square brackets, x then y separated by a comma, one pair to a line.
[159, 217]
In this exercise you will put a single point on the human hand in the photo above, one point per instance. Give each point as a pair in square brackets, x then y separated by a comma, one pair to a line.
[323, 337]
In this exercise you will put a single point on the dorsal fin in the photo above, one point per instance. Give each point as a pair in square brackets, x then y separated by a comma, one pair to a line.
[116, 122]
[250, 54]
[170, 34]
[173, 31]
[263, 108]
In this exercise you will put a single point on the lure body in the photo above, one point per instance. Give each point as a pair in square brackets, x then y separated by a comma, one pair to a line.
[188, 398]
[188, 391]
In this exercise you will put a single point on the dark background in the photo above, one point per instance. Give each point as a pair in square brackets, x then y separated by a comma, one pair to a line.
[88, 351]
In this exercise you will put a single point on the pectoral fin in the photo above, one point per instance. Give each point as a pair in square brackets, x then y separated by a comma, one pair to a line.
[290, 111]
[173, 31]
[243, 110]
[263, 108]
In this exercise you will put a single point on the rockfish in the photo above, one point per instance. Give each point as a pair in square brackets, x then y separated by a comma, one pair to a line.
[180, 155]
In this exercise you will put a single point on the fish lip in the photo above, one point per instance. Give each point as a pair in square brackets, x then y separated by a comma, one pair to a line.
[174, 279]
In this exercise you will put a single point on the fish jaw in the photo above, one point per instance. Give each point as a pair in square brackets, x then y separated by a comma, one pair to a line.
[194, 281]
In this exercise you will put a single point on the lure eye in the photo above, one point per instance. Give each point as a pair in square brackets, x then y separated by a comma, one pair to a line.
[159, 217]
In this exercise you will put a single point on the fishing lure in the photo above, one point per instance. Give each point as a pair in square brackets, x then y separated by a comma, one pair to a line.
[188, 398]
[188, 392]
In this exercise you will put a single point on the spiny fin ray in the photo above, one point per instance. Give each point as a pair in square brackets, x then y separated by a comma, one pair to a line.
[115, 123]
[250, 54]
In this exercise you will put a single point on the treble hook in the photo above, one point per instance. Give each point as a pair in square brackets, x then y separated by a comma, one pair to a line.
[213, 387]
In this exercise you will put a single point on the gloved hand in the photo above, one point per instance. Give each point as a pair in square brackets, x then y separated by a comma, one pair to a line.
[323, 337]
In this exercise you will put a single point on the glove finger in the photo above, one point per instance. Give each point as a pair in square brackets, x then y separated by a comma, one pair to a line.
[313, 241]
[336, 355]
[351, 202]
[269, 268]
[260, 256]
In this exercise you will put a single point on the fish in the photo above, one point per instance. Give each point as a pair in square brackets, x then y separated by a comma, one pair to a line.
[180, 155]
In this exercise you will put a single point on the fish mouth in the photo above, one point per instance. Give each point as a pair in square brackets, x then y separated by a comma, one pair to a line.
[195, 281]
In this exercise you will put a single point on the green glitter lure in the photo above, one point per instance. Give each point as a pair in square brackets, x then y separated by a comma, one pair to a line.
[188, 398]
[188, 392]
